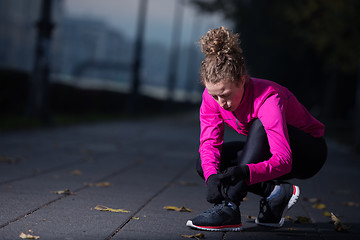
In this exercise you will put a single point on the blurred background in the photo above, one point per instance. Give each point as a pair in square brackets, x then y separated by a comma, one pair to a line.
[67, 61]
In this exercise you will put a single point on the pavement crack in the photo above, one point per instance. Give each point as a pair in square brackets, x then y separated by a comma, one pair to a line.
[113, 174]
[31, 212]
[316, 226]
[171, 182]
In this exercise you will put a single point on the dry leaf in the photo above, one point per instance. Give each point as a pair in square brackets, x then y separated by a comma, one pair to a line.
[250, 217]
[135, 218]
[339, 226]
[327, 214]
[99, 184]
[319, 206]
[178, 209]
[28, 236]
[196, 236]
[76, 172]
[300, 219]
[104, 208]
[351, 204]
[9, 160]
[289, 218]
[103, 184]
[189, 184]
[311, 200]
[65, 192]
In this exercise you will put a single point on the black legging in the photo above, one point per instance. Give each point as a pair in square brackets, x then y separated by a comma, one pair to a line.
[308, 156]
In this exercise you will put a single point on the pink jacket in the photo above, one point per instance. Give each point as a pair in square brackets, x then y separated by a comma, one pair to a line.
[275, 106]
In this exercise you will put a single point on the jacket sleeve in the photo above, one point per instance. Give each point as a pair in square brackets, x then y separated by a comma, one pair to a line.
[272, 116]
[211, 135]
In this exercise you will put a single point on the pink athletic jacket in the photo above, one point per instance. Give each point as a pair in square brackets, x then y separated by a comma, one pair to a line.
[275, 106]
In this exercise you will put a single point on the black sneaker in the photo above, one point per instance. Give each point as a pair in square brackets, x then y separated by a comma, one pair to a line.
[272, 209]
[221, 217]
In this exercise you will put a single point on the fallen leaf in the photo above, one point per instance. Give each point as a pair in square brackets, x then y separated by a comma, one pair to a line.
[327, 214]
[135, 218]
[103, 184]
[339, 226]
[319, 206]
[289, 218]
[250, 217]
[104, 208]
[311, 200]
[351, 204]
[196, 236]
[28, 236]
[9, 160]
[291, 229]
[178, 209]
[245, 199]
[98, 184]
[76, 172]
[189, 184]
[64, 192]
[300, 219]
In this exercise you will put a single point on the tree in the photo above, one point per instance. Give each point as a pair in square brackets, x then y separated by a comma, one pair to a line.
[311, 46]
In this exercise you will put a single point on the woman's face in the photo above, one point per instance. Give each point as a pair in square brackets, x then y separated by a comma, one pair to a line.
[226, 93]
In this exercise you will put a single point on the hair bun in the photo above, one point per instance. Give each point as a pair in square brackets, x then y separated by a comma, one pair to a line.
[220, 41]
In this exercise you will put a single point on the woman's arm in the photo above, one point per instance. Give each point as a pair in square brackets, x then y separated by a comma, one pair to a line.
[211, 135]
[272, 116]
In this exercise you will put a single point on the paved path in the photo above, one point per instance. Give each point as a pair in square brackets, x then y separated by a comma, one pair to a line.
[149, 164]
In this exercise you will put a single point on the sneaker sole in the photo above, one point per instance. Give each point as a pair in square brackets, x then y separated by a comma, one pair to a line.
[292, 201]
[225, 228]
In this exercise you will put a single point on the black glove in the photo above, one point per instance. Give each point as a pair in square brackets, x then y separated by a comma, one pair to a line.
[213, 189]
[232, 175]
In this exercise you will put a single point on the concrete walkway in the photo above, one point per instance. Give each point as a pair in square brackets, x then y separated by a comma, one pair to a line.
[149, 164]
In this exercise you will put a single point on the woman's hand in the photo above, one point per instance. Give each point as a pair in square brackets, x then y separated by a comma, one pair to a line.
[232, 175]
[213, 189]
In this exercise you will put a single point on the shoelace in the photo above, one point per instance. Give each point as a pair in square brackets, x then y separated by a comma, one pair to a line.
[214, 209]
[263, 205]
[224, 189]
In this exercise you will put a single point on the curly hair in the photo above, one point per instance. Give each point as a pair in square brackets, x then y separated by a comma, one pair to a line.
[223, 57]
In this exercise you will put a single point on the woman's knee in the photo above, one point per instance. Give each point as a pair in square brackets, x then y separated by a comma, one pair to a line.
[257, 147]
[257, 127]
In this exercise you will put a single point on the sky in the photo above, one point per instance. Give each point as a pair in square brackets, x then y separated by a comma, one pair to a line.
[122, 15]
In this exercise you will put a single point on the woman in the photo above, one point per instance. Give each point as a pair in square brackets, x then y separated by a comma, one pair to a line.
[283, 140]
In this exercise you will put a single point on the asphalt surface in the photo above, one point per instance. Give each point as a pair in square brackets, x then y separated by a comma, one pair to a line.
[148, 164]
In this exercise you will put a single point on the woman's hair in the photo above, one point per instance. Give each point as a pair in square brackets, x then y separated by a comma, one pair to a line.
[223, 57]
